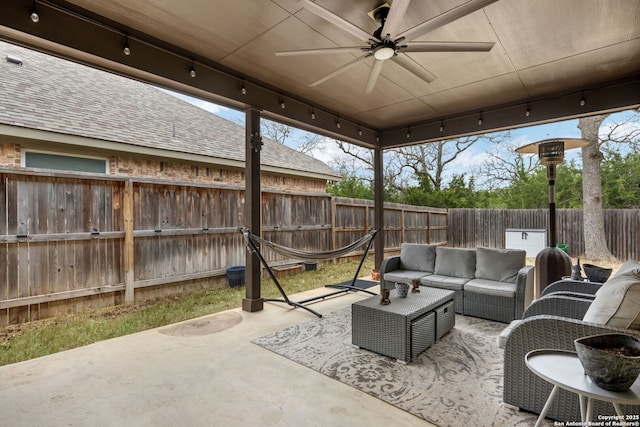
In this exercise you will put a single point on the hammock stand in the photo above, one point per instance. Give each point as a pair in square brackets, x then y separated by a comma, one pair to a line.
[254, 241]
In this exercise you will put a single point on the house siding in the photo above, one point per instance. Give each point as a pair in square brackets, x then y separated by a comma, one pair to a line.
[10, 157]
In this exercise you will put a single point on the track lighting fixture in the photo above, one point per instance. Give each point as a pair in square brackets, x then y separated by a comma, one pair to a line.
[480, 120]
[313, 114]
[126, 49]
[441, 126]
[35, 17]
[338, 123]
[359, 131]
[527, 112]
[243, 89]
[582, 100]
[408, 133]
[192, 71]
[282, 104]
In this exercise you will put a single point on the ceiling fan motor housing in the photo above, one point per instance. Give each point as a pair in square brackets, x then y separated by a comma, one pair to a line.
[379, 14]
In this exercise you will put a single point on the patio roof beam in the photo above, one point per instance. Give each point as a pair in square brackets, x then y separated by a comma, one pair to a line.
[613, 96]
[94, 41]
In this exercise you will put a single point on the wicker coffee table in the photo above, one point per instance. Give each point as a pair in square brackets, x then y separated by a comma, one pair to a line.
[404, 328]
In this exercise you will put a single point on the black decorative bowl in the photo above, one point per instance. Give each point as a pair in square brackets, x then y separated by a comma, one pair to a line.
[612, 361]
[595, 273]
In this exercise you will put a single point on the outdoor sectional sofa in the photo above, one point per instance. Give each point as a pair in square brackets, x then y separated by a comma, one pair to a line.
[568, 310]
[489, 283]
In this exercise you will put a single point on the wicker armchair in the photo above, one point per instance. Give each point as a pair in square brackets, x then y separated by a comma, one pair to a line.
[552, 321]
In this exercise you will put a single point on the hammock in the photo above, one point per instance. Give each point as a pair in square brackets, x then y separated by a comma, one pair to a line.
[253, 243]
[311, 256]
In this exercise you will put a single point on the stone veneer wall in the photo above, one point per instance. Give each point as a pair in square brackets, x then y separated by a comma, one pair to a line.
[10, 156]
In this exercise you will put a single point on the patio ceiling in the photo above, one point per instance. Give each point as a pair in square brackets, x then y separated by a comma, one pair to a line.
[548, 56]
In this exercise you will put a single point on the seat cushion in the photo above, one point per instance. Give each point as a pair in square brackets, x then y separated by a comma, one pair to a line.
[491, 287]
[455, 262]
[444, 282]
[404, 276]
[501, 265]
[417, 257]
[617, 303]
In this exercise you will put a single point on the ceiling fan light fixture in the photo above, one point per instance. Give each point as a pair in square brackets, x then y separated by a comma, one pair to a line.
[384, 52]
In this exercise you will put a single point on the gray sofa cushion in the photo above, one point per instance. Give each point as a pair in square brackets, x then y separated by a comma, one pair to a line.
[455, 262]
[404, 276]
[501, 265]
[491, 287]
[417, 257]
[444, 282]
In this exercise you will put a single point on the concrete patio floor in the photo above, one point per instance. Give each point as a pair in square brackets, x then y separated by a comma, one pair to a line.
[189, 374]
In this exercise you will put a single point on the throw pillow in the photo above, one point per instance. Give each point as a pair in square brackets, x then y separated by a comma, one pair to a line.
[501, 265]
[618, 302]
[417, 257]
[455, 262]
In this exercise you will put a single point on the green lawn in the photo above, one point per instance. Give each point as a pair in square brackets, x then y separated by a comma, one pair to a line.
[39, 338]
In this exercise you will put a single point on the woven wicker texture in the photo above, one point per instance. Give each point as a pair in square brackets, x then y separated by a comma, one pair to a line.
[388, 329]
[544, 328]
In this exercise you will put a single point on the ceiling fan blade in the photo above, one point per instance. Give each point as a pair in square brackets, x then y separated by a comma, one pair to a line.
[347, 49]
[373, 75]
[410, 65]
[335, 19]
[445, 18]
[447, 47]
[396, 13]
[340, 70]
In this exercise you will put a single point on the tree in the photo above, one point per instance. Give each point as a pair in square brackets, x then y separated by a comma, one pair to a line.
[595, 242]
[406, 166]
[621, 180]
[431, 160]
[280, 132]
[352, 187]
[502, 164]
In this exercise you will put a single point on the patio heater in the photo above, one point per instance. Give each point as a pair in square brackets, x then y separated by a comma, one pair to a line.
[552, 263]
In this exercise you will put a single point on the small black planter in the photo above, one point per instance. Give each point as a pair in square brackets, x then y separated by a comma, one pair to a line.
[236, 275]
[310, 265]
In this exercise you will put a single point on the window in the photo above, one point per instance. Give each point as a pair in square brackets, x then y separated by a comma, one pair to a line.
[37, 159]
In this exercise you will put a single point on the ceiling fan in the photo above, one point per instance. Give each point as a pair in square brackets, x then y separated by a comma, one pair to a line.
[388, 43]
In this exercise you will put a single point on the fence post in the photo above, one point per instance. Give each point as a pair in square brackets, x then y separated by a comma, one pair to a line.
[129, 261]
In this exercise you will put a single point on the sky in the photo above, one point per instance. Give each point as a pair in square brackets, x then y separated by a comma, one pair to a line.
[467, 161]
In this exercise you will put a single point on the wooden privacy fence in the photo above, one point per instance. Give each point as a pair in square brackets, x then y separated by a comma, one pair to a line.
[487, 227]
[70, 242]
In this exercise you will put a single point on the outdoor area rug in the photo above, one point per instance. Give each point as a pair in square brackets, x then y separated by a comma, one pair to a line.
[455, 382]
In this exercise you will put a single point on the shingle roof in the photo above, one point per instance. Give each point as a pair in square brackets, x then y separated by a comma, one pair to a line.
[50, 94]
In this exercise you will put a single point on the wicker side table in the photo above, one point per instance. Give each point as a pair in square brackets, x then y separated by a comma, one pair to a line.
[404, 328]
